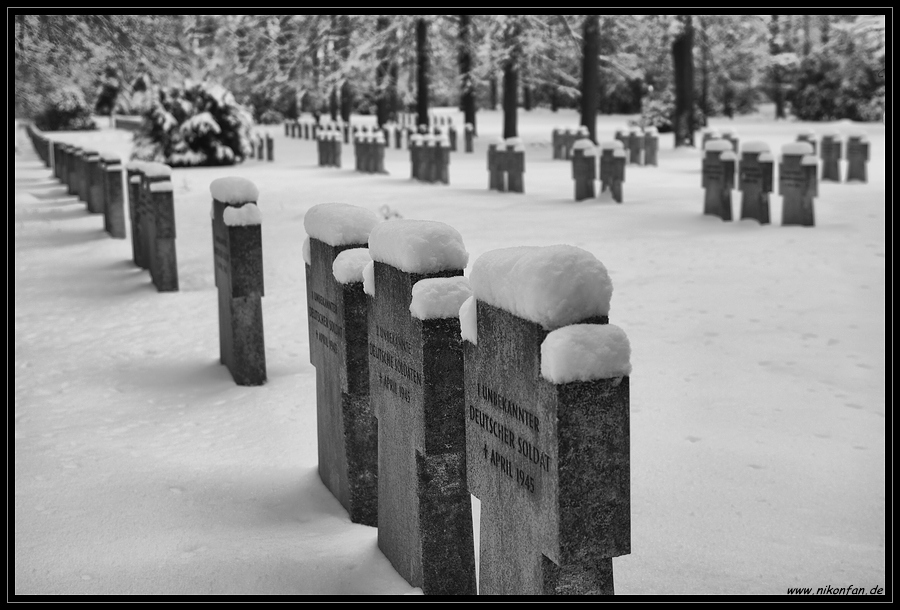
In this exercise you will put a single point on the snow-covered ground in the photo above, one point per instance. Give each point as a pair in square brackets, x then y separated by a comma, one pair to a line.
[757, 391]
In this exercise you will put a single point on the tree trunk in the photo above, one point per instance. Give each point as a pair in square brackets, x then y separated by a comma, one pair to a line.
[333, 105]
[422, 73]
[346, 101]
[590, 74]
[775, 49]
[704, 71]
[511, 80]
[494, 93]
[381, 74]
[807, 42]
[467, 93]
[683, 60]
[825, 28]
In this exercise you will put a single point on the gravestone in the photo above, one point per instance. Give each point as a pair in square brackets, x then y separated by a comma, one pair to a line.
[93, 185]
[73, 180]
[729, 134]
[635, 146]
[415, 146]
[379, 146]
[270, 148]
[754, 177]
[547, 426]
[237, 248]
[470, 137]
[451, 136]
[718, 178]
[584, 169]
[113, 208]
[146, 212]
[809, 136]
[831, 156]
[621, 135]
[416, 389]
[260, 143]
[398, 136]
[133, 172]
[612, 169]
[442, 152]
[797, 184]
[515, 165]
[710, 134]
[84, 174]
[651, 146]
[496, 165]
[164, 266]
[857, 156]
[556, 143]
[287, 128]
[339, 350]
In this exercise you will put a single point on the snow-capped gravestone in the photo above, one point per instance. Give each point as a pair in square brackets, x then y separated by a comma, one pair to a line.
[651, 146]
[515, 165]
[612, 169]
[94, 185]
[151, 172]
[718, 178]
[335, 254]
[470, 138]
[636, 146]
[831, 152]
[72, 169]
[584, 168]
[84, 175]
[547, 422]
[416, 147]
[164, 265]
[857, 157]
[808, 136]
[133, 173]
[710, 134]
[270, 148]
[496, 165]
[329, 148]
[755, 181]
[797, 183]
[113, 200]
[237, 252]
[416, 389]
[730, 135]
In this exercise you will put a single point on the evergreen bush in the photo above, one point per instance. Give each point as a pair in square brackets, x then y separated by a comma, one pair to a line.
[65, 110]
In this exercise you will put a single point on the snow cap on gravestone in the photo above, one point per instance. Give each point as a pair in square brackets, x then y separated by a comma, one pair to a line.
[552, 286]
[339, 224]
[234, 190]
[418, 246]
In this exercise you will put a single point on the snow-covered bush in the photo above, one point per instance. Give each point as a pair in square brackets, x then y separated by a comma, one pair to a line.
[200, 124]
[65, 110]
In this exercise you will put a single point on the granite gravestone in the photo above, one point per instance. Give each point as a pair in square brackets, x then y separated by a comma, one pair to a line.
[547, 447]
[339, 350]
[556, 143]
[133, 172]
[113, 208]
[808, 136]
[651, 146]
[94, 185]
[584, 169]
[515, 165]
[729, 134]
[612, 169]
[415, 146]
[621, 135]
[754, 177]
[270, 148]
[470, 138]
[797, 183]
[164, 264]
[452, 136]
[718, 178]
[151, 172]
[84, 175]
[831, 156]
[496, 165]
[237, 251]
[416, 389]
[442, 153]
[636, 146]
[857, 156]
[710, 134]
[72, 180]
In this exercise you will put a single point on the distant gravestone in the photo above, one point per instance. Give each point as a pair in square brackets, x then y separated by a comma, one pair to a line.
[755, 181]
[556, 143]
[95, 202]
[710, 134]
[831, 152]
[621, 135]
[635, 146]
[808, 136]
[857, 157]
[151, 172]
[427, 154]
[729, 134]
[584, 169]
[496, 165]
[718, 178]
[651, 146]
[237, 247]
[416, 146]
[87, 157]
[270, 148]
[612, 169]
[452, 136]
[260, 144]
[470, 137]
[442, 153]
[416, 388]
[515, 165]
[339, 350]
[113, 208]
[797, 183]
[72, 179]
[547, 422]
[133, 173]
[164, 266]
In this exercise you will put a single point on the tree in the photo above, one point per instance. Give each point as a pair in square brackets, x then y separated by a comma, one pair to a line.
[511, 33]
[422, 71]
[467, 86]
[590, 71]
[683, 66]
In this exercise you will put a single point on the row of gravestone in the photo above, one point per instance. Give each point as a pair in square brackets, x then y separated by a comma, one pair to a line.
[509, 385]
[262, 147]
[831, 149]
[641, 145]
[390, 132]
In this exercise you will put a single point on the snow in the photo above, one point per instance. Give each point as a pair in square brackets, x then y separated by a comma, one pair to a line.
[765, 157]
[110, 157]
[797, 148]
[619, 152]
[418, 246]
[136, 179]
[152, 169]
[728, 155]
[348, 265]
[718, 145]
[340, 224]
[369, 278]
[551, 285]
[161, 187]
[758, 399]
[612, 145]
[246, 215]
[234, 189]
[809, 160]
[754, 146]
[439, 297]
[468, 320]
[307, 258]
[585, 352]
[582, 144]
[113, 168]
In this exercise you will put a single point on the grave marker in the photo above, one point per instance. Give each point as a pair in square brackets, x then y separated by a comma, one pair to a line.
[416, 388]
[651, 146]
[133, 172]
[72, 180]
[797, 183]
[347, 430]
[635, 146]
[831, 156]
[547, 422]
[270, 148]
[470, 136]
[612, 169]
[113, 208]
[754, 177]
[718, 178]
[415, 147]
[515, 165]
[729, 134]
[164, 266]
[496, 165]
[584, 169]
[93, 184]
[237, 246]
[146, 211]
[857, 156]
[809, 136]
